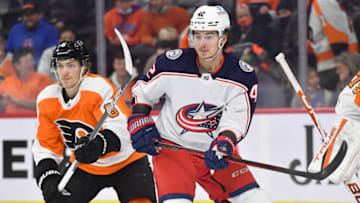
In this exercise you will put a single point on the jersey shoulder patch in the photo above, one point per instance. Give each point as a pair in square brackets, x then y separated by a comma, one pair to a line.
[245, 66]
[173, 54]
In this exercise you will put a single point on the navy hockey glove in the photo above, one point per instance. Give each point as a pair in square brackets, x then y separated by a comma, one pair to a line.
[143, 131]
[48, 178]
[220, 147]
[88, 151]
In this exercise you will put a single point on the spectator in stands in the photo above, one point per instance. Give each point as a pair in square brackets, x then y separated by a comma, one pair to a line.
[44, 66]
[352, 8]
[347, 65]
[168, 34]
[33, 32]
[127, 17]
[330, 34]
[119, 74]
[271, 92]
[162, 14]
[253, 24]
[314, 92]
[18, 92]
[168, 38]
[272, 3]
[279, 26]
[6, 67]
[160, 47]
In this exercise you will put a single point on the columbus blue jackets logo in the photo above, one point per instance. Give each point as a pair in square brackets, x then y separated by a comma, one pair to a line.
[173, 54]
[202, 118]
[245, 67]
[70, 128]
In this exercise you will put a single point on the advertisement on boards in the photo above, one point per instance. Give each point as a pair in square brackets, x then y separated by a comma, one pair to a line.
[287, 139]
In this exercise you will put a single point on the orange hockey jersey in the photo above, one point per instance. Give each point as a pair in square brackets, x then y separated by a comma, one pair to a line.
[63, 123]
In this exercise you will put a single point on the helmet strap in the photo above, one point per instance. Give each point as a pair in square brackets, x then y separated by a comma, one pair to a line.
[220, 46]
[78, 82]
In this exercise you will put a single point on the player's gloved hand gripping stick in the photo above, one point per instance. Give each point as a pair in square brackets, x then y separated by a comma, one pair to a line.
[222, 146]
[129, 75]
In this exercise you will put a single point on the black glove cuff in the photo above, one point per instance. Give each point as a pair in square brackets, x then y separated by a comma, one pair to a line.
[45, 175]
[141, 109]
[230, 135]
[110, 140]
[45, 168]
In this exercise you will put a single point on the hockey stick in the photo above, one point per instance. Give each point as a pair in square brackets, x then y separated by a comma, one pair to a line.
[280, 58]
[318, 176]
[129, 69]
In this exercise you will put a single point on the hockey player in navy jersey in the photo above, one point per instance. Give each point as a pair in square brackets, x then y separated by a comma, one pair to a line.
[209, 99]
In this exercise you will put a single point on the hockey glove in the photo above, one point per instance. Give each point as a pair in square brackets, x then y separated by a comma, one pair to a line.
[143, 131]
[88, 151]
[48, 178]
[214, 157]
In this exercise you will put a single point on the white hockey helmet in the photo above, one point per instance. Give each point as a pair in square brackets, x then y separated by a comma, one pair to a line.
[210, 18]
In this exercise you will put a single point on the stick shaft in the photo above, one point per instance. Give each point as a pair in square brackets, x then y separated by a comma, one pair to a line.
[280, 58]
[318, 176]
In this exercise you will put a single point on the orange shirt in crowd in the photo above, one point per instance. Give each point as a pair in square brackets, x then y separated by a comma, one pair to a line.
[7, 69]
[174, 16]
[23, 90]
[128, 25]
[184, 40]
[273, 3]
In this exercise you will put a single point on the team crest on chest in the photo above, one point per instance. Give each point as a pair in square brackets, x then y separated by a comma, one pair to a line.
[70, 128]
[245, 66]
[202, 118]
[173, 54]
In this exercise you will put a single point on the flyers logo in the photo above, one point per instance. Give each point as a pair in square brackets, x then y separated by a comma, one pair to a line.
[114, 112]
[72, 131]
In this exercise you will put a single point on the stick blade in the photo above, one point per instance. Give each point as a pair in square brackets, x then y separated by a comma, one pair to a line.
[128, 60]
[330, 168]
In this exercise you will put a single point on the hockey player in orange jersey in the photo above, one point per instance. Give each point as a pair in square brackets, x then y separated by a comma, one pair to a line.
[67, 112]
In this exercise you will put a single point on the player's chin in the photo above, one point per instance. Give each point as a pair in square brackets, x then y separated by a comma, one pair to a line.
[203, 55]
[67, 85]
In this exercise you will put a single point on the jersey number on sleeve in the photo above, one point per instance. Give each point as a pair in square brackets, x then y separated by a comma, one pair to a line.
[253, 92]
[151, 71]
[355, 81]
[356, 89]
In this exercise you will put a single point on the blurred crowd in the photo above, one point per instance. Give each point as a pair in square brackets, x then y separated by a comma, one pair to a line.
[29, 31]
